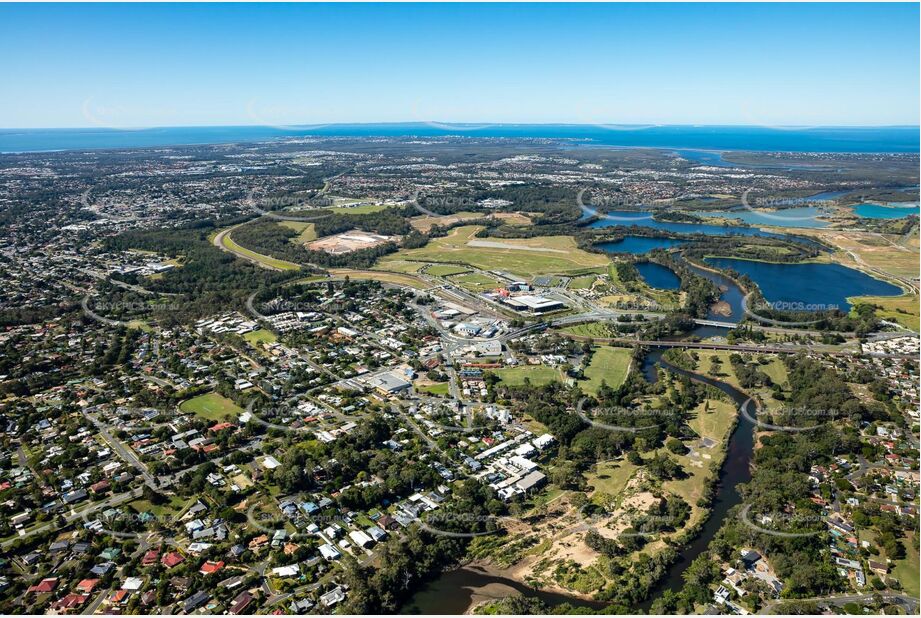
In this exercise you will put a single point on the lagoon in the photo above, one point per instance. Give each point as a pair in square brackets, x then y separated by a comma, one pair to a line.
[811, 286]
[800, 216]
[885, 211]
[639, 244]
[658, 276]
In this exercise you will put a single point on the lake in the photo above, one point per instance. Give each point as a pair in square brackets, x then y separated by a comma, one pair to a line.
[885, 211]
[730, 293]
[658, 276]
[799, 216]
[817, 286]
[629, 218]
[638, 245]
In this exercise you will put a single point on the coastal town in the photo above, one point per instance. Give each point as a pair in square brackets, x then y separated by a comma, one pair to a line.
[234, 388]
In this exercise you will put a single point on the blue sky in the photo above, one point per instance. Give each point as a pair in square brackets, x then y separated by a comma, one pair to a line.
[171, 65]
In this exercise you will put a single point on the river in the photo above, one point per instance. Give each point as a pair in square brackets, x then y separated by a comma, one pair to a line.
[736, 469]
[457, 590]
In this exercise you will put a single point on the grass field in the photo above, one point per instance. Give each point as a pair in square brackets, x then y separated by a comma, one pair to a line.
[445, 270]
[172, 507]
[889, 253]
[582, 283]
[537, 374]
[398, 279]
[424, 223]
[724, 369]
[597, 330]
[907, 569]
[365, 209]
[712, 419]
[262, 335]
[902, 309]
[610, 477]
[439, 389]
[475, 282]
[609, 365]
[305, 231]
[211, 406]
[400, 266]
[525, 257]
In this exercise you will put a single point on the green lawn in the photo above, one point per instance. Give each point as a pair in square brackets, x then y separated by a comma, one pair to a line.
[610, 477]
[262, 335]
[902, 309]
[441, 389]
[475, 282]
[175, 505]
[582, 283]
[400, 266]
[445, 270]
[365, 209]
[596, 330]
[907, 570]
[712, 419]
[537, 374]
[306, 232]
[608, 364]
[212, 406]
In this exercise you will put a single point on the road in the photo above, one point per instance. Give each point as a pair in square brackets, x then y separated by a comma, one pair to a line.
[73, 516]
[123, 451]
[910, 604]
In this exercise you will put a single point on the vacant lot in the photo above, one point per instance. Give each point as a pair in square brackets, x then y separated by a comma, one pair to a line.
[610, 477]
[425, 223]
[212, 406]
[889, 253]
[901, 309]
[907, 569]
[595, 330]
[525, 257]
[538, 375]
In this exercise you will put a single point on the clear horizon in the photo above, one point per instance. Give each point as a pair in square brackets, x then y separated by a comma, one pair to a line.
[162, 66]
[448, 123]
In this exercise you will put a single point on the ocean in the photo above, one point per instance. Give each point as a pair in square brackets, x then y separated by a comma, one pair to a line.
[701, 138]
